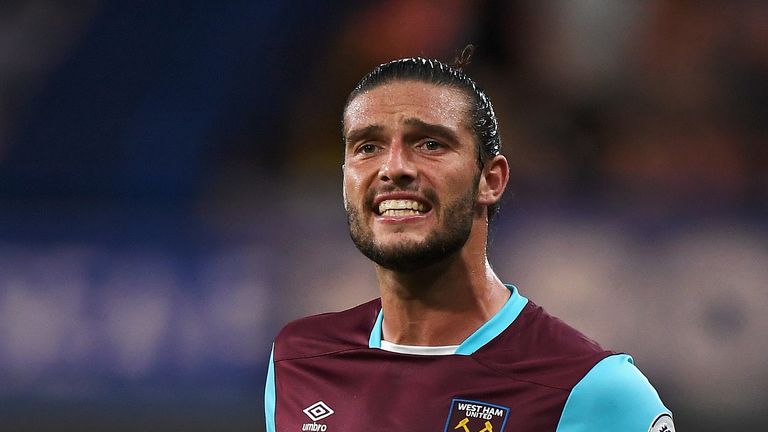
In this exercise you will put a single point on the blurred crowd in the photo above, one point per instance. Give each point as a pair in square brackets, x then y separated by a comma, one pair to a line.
[656, 102]
[170, 187]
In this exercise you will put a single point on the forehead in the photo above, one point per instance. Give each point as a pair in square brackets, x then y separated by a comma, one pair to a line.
[392, 103]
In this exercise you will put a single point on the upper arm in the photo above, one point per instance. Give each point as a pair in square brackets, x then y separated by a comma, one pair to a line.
[615, 395]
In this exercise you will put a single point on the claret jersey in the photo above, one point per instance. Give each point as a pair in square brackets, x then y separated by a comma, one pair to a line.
[523, 370]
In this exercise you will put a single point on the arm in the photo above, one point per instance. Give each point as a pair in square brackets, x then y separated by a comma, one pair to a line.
[615, 396]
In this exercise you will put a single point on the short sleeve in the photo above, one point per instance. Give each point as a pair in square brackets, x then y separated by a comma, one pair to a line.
[269, 394]
[614, 395]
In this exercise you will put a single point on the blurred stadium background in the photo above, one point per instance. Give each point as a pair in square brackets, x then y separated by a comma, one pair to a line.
[170, 192]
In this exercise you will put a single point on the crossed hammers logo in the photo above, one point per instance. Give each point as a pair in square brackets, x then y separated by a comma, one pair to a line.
[463, 424]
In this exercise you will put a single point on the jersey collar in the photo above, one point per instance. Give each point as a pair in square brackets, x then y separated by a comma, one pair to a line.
[492, 328]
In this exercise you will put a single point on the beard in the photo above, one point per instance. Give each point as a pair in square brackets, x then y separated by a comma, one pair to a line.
[408, 256]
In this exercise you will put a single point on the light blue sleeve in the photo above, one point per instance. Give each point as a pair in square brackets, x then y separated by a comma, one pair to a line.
[269, 393]
[614, 396]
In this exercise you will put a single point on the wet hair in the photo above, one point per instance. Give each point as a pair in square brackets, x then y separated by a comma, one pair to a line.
[483, 119]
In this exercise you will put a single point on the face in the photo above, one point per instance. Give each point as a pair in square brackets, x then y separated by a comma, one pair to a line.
[410, 173]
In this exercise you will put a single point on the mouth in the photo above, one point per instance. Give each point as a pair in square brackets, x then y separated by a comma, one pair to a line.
[401, 208]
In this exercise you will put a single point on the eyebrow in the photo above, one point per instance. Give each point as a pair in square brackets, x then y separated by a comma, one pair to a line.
[437, 130]
[358, 134]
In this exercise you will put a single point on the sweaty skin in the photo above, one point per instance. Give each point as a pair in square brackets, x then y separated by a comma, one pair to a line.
[417, 204]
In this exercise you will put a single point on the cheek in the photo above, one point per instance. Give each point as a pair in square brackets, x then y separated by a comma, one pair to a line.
[459, 180]
[352, 185]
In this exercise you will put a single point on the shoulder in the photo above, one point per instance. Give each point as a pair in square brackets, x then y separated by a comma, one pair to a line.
[560, 338]
[540, 348]
[615, 394]
[327, 333]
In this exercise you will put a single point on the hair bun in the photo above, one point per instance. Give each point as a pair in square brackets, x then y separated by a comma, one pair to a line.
[464, 57]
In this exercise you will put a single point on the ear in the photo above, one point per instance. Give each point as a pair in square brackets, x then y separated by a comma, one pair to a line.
[344, 185]
[493, 180]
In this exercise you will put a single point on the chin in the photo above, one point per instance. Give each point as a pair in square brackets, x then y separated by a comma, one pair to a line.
[400, 240]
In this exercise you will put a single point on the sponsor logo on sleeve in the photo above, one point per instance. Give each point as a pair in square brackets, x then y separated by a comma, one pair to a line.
[663, 423]
[316, 412]
[476, 416]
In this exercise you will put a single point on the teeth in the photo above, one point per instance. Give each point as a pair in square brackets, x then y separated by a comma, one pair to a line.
[401, 207]
[400, 213]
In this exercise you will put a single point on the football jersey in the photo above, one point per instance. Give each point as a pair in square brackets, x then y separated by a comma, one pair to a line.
[523, 370]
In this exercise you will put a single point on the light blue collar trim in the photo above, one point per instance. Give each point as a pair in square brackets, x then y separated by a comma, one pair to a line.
[492, 328]
[374, 341]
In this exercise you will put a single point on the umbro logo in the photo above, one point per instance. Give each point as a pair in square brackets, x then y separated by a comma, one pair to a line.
[318, 411]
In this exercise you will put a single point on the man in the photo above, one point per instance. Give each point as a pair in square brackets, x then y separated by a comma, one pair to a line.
[448, 346]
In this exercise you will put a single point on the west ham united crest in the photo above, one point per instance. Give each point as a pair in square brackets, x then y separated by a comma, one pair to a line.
[476, 416]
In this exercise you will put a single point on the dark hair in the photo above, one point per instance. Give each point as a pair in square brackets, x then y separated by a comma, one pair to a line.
[431, 71]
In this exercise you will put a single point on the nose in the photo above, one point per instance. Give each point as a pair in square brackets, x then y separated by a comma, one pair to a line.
[398, 167]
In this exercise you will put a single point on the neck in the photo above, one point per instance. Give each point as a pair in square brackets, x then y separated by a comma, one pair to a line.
[444, 303]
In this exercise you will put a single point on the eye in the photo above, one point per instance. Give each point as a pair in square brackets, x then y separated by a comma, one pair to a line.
[431, 145]
[366, 148]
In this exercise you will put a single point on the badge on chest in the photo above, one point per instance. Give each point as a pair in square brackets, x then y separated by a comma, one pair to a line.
[476, 416]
